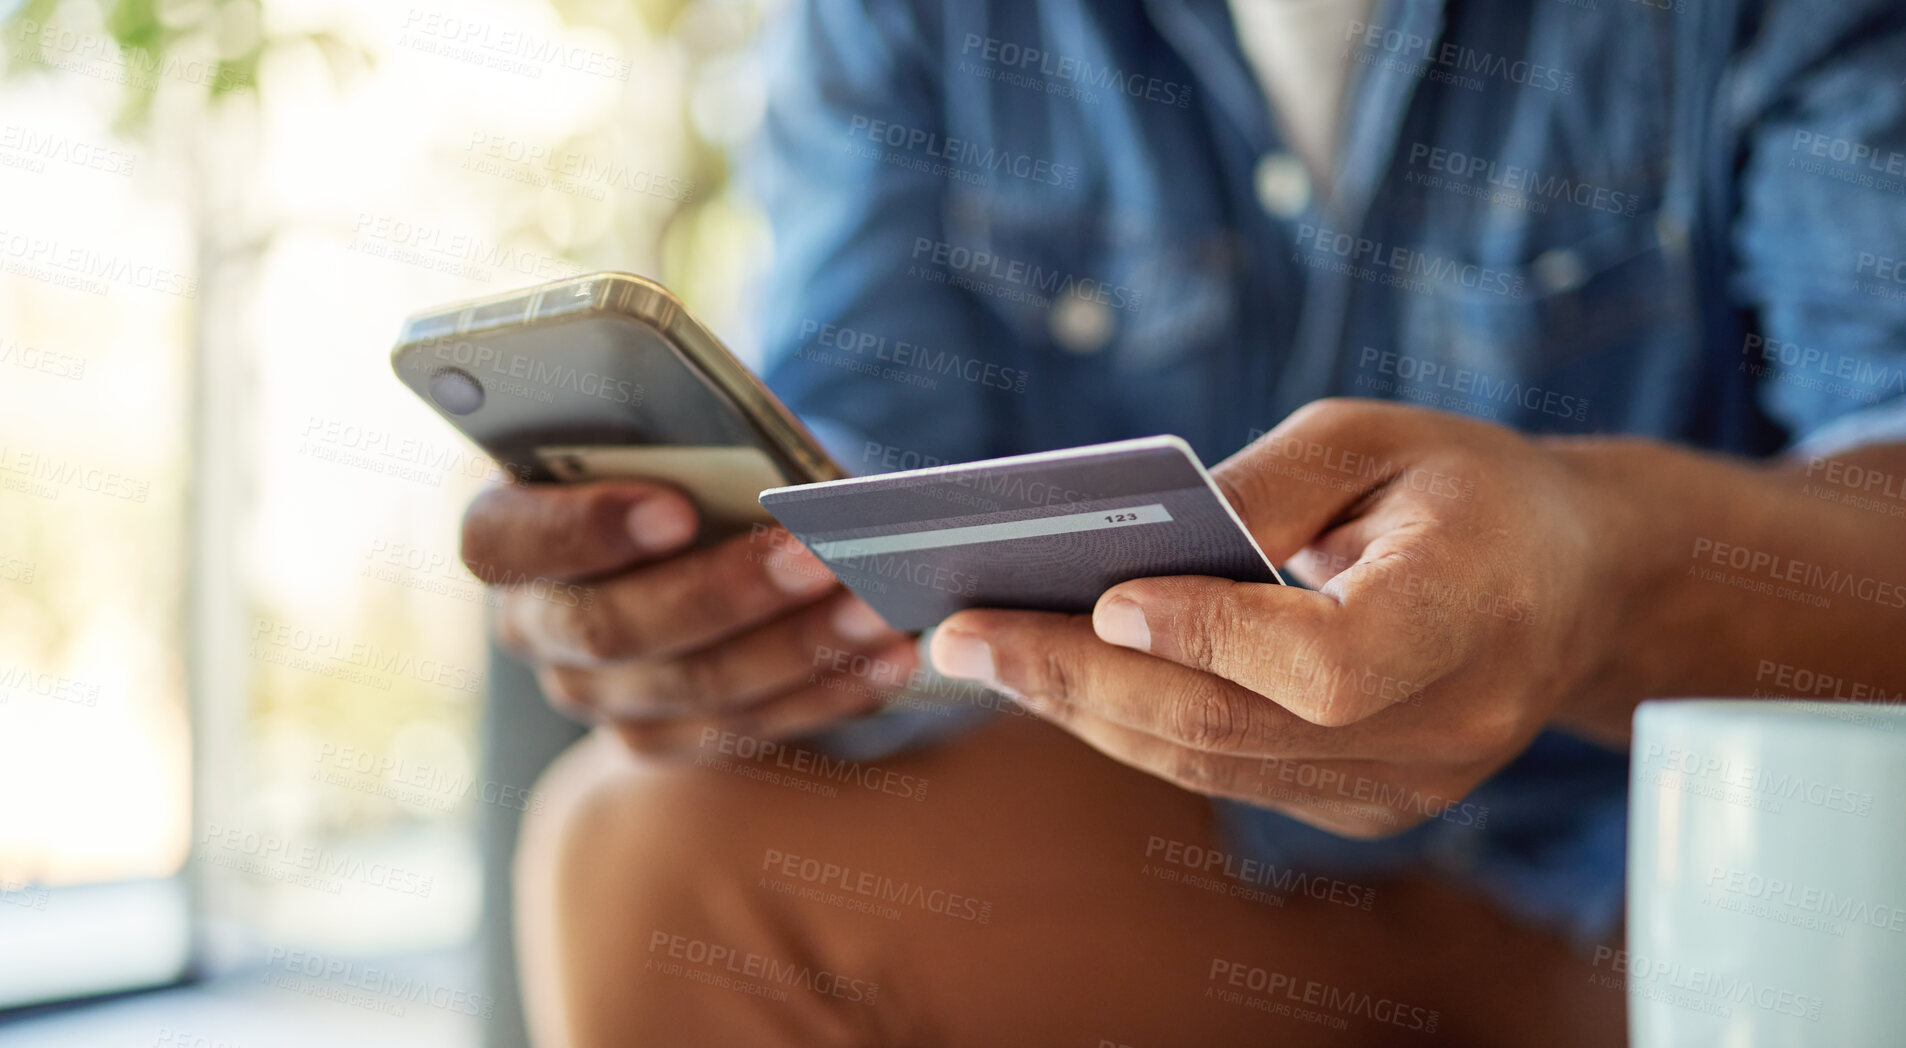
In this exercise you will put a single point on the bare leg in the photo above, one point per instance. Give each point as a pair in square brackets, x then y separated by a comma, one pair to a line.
[705, 906]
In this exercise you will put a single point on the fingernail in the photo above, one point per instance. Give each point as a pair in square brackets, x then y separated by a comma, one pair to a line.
[964, 657]
[794, 571]
[660, 524]
[857, 622]
[1121, 621]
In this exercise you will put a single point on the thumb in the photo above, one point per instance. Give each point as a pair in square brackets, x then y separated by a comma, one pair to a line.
[1315, 470]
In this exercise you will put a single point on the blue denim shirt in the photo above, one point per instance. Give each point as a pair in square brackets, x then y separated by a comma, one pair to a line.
[1026, 224]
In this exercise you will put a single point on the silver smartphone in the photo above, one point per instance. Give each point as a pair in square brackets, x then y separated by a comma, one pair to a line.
[607, 376]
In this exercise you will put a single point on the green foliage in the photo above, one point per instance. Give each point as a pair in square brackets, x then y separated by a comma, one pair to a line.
[220, 39]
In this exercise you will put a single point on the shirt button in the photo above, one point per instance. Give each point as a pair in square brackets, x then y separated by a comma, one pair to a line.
[1081, 325]
[1560, 270]
[1672, 235]
[1283, 186]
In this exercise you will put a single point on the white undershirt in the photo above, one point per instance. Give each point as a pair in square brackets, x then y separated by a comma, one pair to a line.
[1298, 51]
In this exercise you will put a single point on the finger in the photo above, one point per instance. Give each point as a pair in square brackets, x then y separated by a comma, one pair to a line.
[561, 694]
[766, 660]
[802, 711]
[1332, 664]
[683, 603]
[1059, 668]
[1248, 780]
[1384, 796]
[1212, 774]
[519, 532]
[503, 628]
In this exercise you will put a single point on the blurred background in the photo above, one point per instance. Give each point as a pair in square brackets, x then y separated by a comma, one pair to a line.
[241, 668]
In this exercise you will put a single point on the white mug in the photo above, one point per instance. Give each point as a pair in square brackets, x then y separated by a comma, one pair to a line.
[1766, 875]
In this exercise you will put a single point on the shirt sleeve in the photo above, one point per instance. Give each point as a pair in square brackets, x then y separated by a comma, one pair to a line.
[1820, 234]
[845, 304]
[843, 301]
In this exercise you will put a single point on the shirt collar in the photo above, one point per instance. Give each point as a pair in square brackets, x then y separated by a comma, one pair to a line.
[1378, 94]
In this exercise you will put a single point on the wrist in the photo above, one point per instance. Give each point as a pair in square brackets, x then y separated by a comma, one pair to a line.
[1637, 501]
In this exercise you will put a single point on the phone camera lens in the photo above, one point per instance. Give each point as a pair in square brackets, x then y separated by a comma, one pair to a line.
[456, 391]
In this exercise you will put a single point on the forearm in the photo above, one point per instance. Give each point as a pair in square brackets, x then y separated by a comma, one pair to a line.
[1734, 578]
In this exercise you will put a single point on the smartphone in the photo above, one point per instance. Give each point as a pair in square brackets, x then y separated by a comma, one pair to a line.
[607, 376]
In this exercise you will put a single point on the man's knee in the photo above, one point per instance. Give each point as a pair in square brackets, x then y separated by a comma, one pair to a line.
[612, 831]
[630, 877]
[612, 856]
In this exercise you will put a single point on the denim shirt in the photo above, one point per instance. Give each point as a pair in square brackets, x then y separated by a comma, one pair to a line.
[1026, 224]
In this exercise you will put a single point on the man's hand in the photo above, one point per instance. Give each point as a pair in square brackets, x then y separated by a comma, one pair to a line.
[626, 626]
[1456, 610]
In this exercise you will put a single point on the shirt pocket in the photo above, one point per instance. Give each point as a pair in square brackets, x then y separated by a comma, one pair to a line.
[1620, 287]
[1136, 297]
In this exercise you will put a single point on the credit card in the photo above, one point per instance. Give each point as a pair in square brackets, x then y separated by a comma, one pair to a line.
[1049, 531]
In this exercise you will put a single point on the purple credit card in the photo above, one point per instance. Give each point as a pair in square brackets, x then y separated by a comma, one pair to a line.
[1044, 532]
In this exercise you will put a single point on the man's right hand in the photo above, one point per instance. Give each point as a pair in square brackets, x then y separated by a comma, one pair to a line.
[625, 625]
